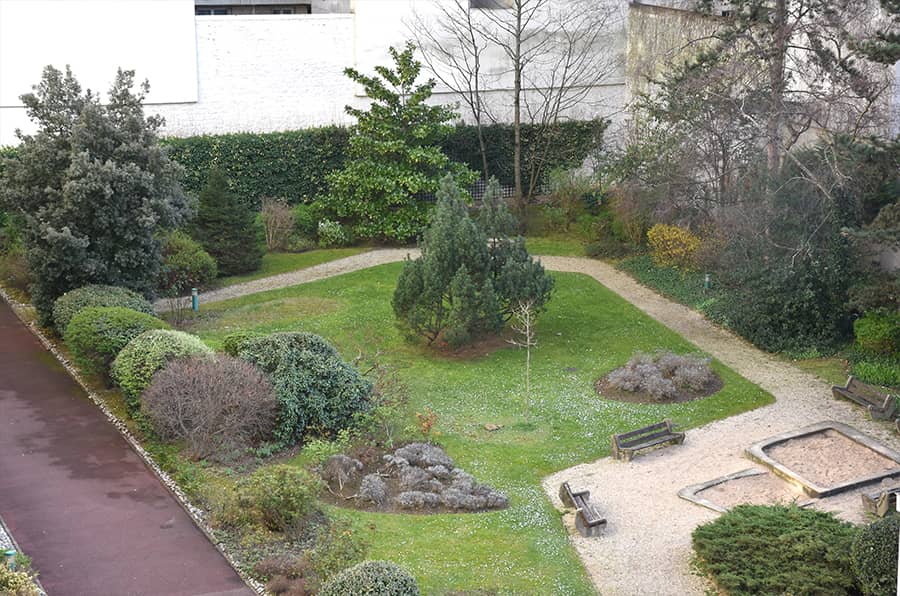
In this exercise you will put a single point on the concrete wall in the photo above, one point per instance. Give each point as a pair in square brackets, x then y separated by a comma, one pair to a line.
[234, 73]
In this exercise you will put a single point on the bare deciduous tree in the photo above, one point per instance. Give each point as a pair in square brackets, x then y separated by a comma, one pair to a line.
[553, 55]
[278, 220]
[524, 316]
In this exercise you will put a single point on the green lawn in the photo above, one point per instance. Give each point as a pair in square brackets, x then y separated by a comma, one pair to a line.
[274, 263]
[563, 245]
[586, 331]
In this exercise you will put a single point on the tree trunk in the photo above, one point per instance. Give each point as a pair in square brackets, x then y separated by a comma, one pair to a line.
[517, 112]
[775, 122]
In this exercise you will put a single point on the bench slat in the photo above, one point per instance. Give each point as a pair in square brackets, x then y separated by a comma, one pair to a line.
[645, 438]
[655, 441]
[646, 429]
[624, 445]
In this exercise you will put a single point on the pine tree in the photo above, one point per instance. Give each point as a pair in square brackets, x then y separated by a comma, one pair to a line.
[227, 228]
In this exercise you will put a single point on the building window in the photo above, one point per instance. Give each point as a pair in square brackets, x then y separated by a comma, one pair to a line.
[490, 4]
[282, 11]
[206, 11]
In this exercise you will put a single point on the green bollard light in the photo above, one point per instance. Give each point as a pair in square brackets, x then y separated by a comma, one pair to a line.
[10, 557]
[195, 300]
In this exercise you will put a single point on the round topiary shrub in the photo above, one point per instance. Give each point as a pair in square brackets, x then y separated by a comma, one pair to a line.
[232, 343]
[135, 365]
[97, 334]
[375, 578]
[773, 549]
[874, 557]
[316, 389]
[185, 265]
[68, 305]
[217, 406]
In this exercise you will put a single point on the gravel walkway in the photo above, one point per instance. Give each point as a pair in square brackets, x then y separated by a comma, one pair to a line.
[646, 547]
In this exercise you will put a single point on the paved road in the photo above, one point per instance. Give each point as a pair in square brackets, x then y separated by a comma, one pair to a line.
[79, 500]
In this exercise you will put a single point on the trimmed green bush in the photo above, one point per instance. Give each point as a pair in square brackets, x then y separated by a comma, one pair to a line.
[874, 556]
[97, 334]
[317, 391]
[232, 343]
[277, 497]
[878, 333]
[185, 265]
[135, 365]
[773, 549]
[68, 305]
[373, 578]
[878, 371]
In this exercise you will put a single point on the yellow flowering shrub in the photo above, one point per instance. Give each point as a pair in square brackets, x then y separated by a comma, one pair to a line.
[673, 246]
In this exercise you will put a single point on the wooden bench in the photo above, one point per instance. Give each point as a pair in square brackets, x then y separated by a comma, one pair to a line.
[882, 501]
[587, 518]
[625, 445]
[880, 406]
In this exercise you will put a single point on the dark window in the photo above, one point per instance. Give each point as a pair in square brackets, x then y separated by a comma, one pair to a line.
[209, 11]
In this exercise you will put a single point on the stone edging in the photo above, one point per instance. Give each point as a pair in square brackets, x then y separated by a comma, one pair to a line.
[195, 513]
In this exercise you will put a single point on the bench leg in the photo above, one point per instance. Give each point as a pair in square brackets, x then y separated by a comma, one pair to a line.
[584, 530]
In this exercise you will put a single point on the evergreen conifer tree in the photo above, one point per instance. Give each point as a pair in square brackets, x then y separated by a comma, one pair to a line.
[227, 228]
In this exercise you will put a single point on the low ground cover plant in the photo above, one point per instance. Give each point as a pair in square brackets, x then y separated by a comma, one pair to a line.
[134, 367]
[774, 549]
[68, 305]
[372, 577]
[663, 375]
[97, 334]
[874, 557]
[277, 497]
[219, 406]
[317, 391]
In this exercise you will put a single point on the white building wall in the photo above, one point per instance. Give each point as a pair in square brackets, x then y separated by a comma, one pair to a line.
[217, 74]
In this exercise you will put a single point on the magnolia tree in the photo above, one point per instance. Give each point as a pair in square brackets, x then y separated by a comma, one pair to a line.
[464, 285]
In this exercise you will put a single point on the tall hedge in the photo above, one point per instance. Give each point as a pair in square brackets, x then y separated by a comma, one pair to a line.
[293, 164]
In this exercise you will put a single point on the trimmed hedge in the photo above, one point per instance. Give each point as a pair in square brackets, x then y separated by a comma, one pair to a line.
[372, 578]
[97, 334]
[68, 305]
[293, 165]
[874, 556]
[134, 367]
[316, 389]
[772, 549]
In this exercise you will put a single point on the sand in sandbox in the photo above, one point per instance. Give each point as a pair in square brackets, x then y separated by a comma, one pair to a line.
[762, 489]
[829, 458]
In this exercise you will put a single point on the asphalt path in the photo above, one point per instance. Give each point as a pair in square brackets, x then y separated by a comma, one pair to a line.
[94, 518]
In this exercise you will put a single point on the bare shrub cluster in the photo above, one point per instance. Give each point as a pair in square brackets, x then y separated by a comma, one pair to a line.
[278, 220]
[217, 406]
[663, 375]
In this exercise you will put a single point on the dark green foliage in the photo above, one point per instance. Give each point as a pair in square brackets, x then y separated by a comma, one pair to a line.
[134, 367]
[70, 303]
[185, 266]
[761, 549]
[97, 334]
[874, 557]
[232, 343]
[394, 155]
[306, 220]
[277, 497]
[372, 578]
[685, 287]
[227, 229]
[878, 333]
[292, 164]
[780, 307]
[463, 286]
[318, 392]
[94, 188]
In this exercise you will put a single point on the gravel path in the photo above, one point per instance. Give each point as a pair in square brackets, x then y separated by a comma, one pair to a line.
[646, 547]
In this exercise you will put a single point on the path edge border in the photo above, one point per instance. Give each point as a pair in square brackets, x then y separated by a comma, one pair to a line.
[194, 513]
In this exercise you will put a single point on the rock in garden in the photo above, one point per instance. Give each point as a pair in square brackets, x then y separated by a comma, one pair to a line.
[373, 489]
[424, 455]
[414, 499]
[341, 469]
[417, 479]
[439, 472]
